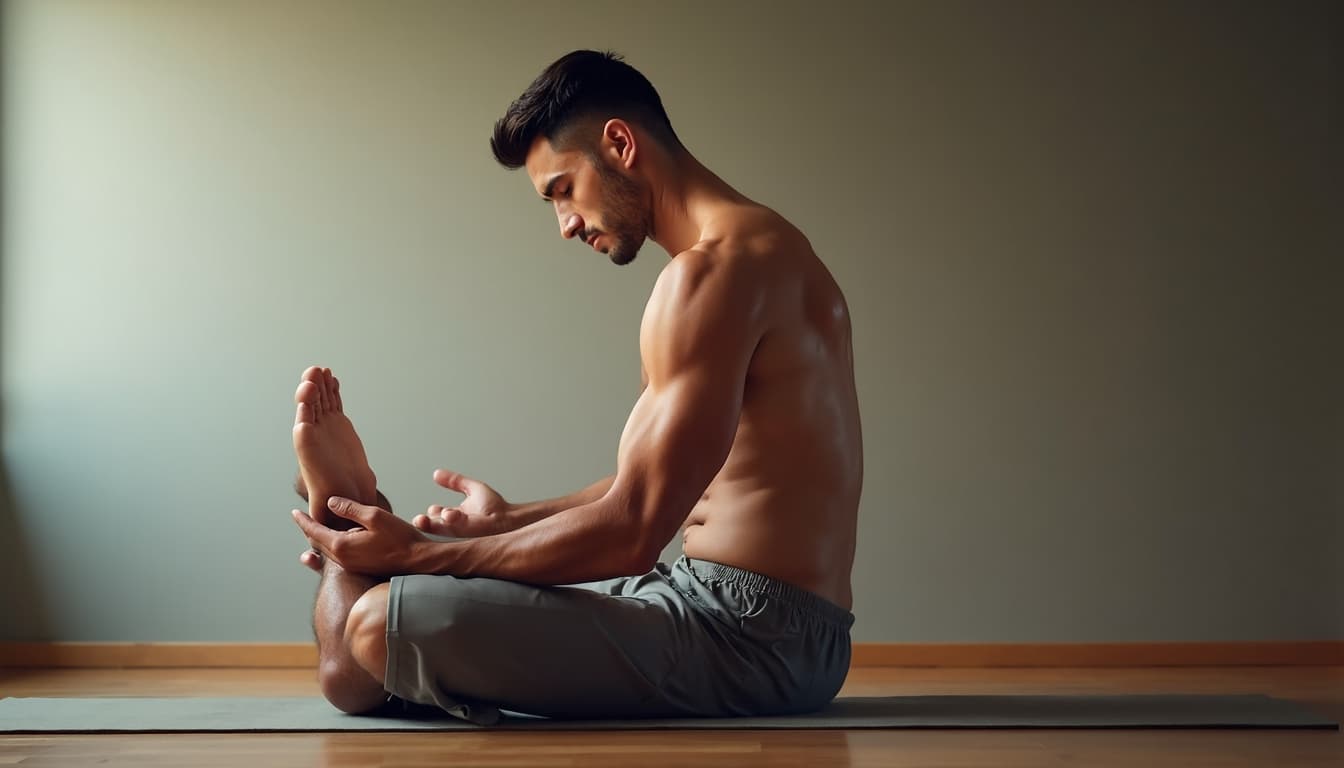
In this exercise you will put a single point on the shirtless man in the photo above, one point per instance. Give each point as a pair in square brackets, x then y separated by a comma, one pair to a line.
[746, 437]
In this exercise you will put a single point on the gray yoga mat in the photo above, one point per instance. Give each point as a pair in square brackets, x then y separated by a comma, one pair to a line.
[148, 715]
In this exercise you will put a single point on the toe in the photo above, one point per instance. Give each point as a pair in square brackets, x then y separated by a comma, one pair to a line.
[306, 397]
[336, 394]
[317, 378]
[329, 390]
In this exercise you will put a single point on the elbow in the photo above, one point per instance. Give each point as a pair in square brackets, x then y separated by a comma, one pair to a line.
[637, 556]
[636, 551]
[642, 563]
[646, 543]
[639, 537]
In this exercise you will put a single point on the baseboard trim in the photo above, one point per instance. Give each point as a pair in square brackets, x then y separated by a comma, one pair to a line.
[265, 655]
[1241, 654]
[146, 655]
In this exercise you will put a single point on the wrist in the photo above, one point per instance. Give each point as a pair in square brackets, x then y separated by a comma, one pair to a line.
[426, 557]
[515, 516]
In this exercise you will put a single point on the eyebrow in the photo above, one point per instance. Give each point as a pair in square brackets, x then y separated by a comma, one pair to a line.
[550, 187]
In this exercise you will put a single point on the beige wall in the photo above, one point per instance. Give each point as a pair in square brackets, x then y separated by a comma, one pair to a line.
[1096, 303]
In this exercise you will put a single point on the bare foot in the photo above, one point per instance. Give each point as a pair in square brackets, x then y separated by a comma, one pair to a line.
[331, 456]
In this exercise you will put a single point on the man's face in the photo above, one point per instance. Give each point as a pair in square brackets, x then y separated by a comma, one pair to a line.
[595, 203]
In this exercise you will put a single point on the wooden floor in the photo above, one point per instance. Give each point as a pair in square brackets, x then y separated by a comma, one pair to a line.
[1320, 688]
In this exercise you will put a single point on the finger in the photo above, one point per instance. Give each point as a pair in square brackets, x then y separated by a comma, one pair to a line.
[311, 559]
[441, 514]
[350, 510]
[435, 519]
[447, 521]
[318, 534]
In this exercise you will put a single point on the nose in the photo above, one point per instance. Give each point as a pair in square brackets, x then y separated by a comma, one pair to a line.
[570, 224]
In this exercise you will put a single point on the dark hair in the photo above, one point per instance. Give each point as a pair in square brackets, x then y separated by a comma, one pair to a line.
[582, 84]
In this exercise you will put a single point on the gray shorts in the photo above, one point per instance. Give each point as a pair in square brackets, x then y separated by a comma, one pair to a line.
[693, 639]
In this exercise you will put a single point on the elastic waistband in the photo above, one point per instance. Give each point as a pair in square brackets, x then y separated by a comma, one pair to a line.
[750, 581]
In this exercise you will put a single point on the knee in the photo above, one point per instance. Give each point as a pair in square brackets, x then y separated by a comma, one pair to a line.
[344, 692]
[366, 632]
[344, 674]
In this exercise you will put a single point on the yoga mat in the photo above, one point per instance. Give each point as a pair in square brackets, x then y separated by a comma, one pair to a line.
[155, 715]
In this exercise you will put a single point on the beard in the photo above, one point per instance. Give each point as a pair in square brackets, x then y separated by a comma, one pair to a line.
[625, 220]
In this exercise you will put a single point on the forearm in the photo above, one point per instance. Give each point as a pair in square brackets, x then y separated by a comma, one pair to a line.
[598, 540]
[535, 511]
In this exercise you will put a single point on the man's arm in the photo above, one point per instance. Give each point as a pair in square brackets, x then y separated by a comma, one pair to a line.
[526, 514]
[467, 519]
[697, 340]
[485, 513]
[698, 336]
[531, 512]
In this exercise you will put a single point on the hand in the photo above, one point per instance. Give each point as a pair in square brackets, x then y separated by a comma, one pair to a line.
[385, 545]
[483, 512]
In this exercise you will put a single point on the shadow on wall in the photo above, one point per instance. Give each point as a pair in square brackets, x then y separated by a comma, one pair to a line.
[21, 602]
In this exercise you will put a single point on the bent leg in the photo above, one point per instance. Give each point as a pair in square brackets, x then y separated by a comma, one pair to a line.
[332, 462]
[473, 647]
[696, 639]
[366, 632]
[345, 682]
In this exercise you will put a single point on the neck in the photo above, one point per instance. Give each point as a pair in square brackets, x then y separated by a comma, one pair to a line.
[687, 198]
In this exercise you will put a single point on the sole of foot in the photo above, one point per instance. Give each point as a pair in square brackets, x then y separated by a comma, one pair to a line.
[331, 456]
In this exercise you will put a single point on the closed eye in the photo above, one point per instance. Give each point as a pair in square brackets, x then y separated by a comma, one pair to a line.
[550, 192]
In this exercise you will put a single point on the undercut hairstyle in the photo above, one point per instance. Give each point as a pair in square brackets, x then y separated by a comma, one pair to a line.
[579, 88]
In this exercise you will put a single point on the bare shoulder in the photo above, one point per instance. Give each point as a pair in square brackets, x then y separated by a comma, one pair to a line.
[728, 288]
[737, 252]
[706, 309]
[709, 274]
[704, 294]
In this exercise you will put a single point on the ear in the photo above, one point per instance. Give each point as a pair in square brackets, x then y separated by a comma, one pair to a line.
[619, 142]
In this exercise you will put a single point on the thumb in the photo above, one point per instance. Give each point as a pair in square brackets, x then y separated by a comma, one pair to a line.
[350, 510]
[455, 481]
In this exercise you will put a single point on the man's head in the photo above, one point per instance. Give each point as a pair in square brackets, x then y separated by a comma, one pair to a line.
[579, 129]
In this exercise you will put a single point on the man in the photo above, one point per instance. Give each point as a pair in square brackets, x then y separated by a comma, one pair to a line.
[746, 437]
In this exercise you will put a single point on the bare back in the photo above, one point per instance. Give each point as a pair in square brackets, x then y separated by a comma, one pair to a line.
[785, 501]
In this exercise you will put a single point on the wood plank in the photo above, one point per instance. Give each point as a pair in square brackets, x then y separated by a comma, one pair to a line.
[273, 655]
